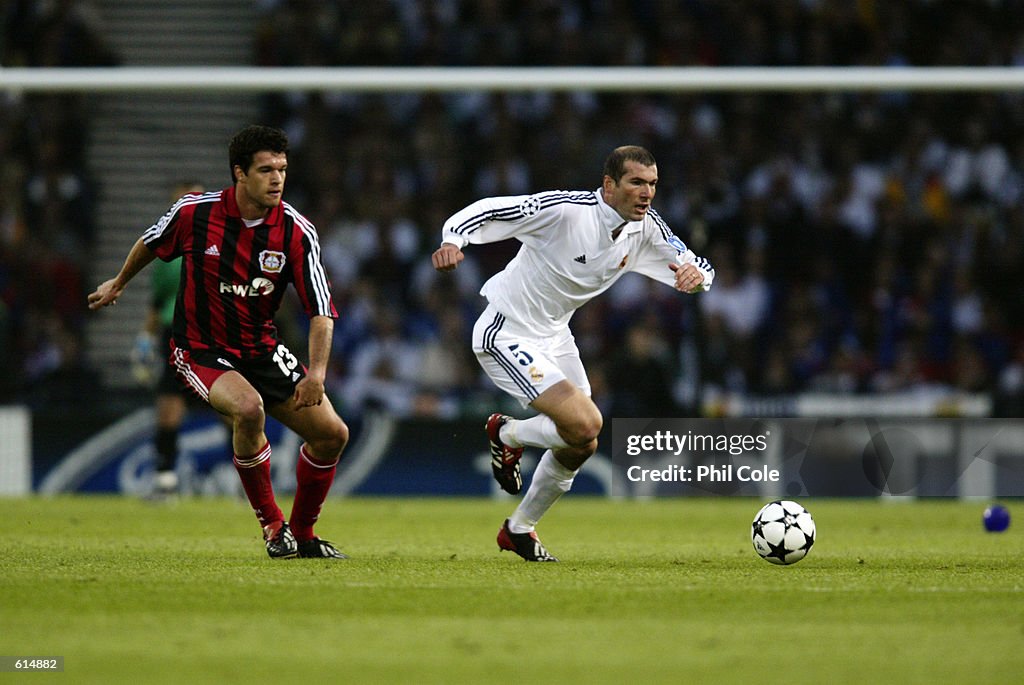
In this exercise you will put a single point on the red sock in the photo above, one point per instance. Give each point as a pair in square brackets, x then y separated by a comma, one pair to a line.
[313, 480]
[255, 474]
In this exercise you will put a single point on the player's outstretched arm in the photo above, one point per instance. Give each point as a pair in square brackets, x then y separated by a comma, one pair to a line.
[447, 257]
[108, 291]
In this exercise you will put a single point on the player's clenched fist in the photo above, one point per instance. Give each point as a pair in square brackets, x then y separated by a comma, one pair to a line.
[447, 257]
[689, 279]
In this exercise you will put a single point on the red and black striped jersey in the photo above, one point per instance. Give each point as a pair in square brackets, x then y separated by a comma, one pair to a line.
[233, 276]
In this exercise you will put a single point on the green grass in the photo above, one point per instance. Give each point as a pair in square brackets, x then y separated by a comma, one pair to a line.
[652, 591]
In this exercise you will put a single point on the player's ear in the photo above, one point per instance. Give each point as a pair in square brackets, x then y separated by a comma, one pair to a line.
[239, 172]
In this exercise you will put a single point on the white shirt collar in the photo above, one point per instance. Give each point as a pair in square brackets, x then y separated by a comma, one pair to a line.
[611, 219]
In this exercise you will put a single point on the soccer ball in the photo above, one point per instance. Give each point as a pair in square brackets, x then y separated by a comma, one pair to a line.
[782, 532]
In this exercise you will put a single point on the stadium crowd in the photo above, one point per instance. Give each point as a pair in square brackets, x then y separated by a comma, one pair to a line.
[47, 207]
[864, 242]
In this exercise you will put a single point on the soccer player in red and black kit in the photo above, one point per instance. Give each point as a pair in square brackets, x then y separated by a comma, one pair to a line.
[241, 247]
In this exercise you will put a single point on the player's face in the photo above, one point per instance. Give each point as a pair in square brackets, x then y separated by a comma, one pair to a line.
[631, 196]
[263, 183]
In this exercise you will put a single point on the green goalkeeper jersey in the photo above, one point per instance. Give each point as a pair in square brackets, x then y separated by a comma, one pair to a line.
[166, 276]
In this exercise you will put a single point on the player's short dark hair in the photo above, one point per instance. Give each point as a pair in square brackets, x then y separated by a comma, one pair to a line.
[251, 140]
[615, 165]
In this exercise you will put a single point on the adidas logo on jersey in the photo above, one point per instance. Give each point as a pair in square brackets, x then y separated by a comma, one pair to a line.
[212, 251]
[582, 259]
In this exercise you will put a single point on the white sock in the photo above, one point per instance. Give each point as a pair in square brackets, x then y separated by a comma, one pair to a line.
[550, 481]
[537, 431]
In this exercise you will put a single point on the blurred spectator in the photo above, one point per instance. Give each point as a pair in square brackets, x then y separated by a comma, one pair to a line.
[383, 370]
[54, 33]
[739, 305]
[47, 212]
[58, 200]
[1010, 389]
[640, 373]
[448, 369]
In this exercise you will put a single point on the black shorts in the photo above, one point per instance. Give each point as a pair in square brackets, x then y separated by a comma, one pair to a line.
[169, 383]
[274, 375]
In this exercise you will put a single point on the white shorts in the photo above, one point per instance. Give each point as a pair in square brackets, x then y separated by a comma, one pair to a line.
[521, 364]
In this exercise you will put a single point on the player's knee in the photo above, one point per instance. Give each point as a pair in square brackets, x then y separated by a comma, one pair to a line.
[592, 424]
[331, 442]
[582, 432]
[248, 413]
[339, 438]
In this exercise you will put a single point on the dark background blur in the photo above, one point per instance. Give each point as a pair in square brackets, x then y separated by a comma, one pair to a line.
[864, 242]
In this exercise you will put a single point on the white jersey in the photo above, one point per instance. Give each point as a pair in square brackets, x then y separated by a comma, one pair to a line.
[567, 256]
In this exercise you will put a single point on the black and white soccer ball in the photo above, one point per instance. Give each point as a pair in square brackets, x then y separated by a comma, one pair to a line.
[783, 532]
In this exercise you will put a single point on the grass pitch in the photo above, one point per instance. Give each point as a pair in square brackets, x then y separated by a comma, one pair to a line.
[652, 591]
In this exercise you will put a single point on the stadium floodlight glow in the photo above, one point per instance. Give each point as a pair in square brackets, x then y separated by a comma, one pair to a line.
[500, 79]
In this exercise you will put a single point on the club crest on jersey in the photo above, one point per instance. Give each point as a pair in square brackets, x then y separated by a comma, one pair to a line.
[271, 261]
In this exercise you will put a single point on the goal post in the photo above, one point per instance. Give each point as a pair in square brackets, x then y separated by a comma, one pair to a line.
[508, 79]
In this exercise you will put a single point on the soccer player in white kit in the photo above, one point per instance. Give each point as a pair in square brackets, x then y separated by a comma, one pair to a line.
[575, 245]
